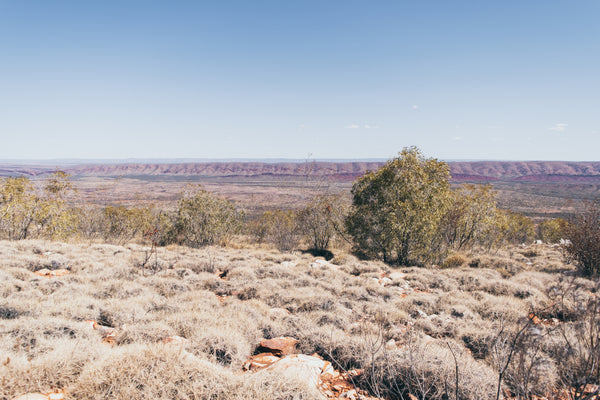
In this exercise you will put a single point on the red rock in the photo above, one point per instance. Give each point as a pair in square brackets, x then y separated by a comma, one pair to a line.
[52, 273]
[279, 346]
[108, 334]
[174, 340]
[260, 361]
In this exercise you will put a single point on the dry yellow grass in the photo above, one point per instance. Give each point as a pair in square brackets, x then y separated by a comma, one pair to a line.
[224, 300]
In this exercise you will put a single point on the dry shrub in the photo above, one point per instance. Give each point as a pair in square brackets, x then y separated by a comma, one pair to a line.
[507, 266]
[151, 332]
[583, 232]
[163, 373]
[426, 369]
[454, 261]
[223, 345]
[58, 368]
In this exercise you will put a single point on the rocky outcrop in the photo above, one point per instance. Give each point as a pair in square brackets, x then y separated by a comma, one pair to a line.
[279, 346]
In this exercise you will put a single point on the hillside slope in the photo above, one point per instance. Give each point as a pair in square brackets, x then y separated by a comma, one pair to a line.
[528, 171]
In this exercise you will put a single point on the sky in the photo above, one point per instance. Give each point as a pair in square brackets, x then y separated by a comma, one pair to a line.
[324, 79]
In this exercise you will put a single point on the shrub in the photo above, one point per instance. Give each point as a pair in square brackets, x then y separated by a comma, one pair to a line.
[18, 206]
[469, 216]
[321, 220]
[454, 261]
[278, 227]
[583, 233]
[515, 228]
[120, 224]
[205, 219]
[552, 230]
[396, 210]
[27, 213]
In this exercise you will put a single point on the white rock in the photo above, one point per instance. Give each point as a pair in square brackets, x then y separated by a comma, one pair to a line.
[303, 368]
[397, 276]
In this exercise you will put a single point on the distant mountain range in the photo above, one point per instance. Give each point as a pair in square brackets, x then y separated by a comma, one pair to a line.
[462, 171]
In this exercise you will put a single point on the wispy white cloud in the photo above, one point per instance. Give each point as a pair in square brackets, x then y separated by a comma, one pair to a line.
[365, 126]
[457, 138]
[559, 127]
[415, 107]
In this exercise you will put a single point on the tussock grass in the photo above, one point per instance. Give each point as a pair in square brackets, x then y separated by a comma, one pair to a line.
[224, 300]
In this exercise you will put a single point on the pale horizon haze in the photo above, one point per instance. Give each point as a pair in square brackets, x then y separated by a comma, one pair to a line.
[485, 80]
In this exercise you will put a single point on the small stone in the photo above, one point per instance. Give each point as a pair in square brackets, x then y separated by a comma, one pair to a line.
[175, 340]
[279, 346]
[31, 396]
[260, 361]
[396, 276]
[52, 273]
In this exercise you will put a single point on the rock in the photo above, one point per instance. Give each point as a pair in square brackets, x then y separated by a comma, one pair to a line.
[260, 361]
[31, 396]
[397, 276]
[350, 394]
[108, 334]
[319, 263]
[174, 340]
[288, 264]
[278, 312]
[300, 367]
[53, 395]
[52, 273]
[384, 281]
[279, 346]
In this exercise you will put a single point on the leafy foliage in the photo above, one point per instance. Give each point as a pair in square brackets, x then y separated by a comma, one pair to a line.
[552, 230]
[516, 228]
[321, 220]
[26, 212]
[121, 224]
[469, 217]
[397, 209]
[278, 227]
[205, 219]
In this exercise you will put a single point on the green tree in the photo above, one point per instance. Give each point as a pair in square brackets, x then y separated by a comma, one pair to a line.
[466, 222]
[397, 209]
[204, 219]
[278, 227]
[18, 206]
[321, 219]
[517, 228]
[54, 217]
[121, 224]
[552, 230]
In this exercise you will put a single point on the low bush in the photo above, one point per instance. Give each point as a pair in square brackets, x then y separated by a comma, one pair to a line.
[205, 219]
[583, 247]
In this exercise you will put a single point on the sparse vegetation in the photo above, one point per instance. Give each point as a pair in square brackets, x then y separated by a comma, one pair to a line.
[583, 233]
[399, 331]
[496, 317]
[278, 227]
[204, 219]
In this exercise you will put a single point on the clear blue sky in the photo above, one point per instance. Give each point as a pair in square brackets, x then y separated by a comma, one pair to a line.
[480, 79]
